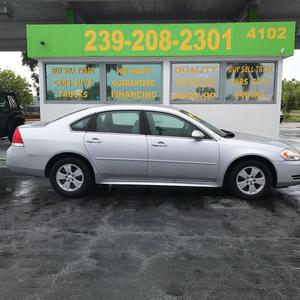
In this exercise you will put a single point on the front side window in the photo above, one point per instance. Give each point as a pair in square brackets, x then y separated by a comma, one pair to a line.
[127, 122]
[133, 82]
[169, 125]
[252, 81]
[65, 82]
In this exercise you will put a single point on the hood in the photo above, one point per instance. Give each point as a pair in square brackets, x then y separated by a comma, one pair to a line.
[262, 140]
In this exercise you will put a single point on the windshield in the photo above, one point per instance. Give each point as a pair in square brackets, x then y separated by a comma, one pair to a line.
[211, 127]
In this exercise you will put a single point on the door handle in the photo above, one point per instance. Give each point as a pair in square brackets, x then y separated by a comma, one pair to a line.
[94, 140]
[159, 144]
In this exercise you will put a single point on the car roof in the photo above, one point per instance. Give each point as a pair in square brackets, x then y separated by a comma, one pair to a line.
[158, 107]
[76, 115]
[138, 106]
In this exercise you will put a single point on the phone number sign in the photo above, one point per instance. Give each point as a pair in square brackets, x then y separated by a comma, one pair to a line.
[220, 39]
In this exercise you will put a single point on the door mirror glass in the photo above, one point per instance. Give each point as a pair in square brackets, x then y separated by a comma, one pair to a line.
[198, 135]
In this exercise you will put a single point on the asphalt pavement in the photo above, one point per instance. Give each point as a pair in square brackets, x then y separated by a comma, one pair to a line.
[146, 243]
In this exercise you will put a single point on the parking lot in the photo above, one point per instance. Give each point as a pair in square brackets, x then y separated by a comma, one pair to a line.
[147, 242]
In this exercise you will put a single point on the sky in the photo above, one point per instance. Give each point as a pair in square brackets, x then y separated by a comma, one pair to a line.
[13, 61]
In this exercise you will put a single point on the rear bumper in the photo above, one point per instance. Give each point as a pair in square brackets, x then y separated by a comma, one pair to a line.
[18, 161]
[285, 172]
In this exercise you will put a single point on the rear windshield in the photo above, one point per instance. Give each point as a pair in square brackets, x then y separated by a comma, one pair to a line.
[75, 112]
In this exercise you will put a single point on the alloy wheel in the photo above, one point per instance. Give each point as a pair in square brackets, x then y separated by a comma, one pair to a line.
[250, 180]
[69, 177]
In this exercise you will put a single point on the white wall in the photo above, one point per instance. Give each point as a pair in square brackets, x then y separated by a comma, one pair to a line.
[260, 119]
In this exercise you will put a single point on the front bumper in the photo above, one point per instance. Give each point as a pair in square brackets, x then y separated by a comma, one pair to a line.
[20, 162]
[285, 172]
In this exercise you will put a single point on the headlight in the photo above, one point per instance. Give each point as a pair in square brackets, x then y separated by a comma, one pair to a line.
[289, 154]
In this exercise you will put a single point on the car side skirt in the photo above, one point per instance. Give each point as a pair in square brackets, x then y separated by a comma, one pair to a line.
[155, 183]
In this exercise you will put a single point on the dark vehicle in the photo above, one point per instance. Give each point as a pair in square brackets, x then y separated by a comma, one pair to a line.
[11, 115]
[281, 116]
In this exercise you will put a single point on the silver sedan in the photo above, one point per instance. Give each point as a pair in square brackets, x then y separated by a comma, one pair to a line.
[149, 145]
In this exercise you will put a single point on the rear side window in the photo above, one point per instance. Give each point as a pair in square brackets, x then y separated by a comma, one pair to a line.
[3, 102]
[118, 122]
[82, 124]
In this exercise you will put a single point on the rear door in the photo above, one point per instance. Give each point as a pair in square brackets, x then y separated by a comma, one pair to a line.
[117, 145]
[175, 156]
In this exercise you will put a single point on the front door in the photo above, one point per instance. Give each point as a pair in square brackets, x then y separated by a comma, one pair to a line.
[174, 155]
[117, 147]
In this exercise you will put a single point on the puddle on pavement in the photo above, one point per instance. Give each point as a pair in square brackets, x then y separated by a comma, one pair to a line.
[22, 192]
[227, 203]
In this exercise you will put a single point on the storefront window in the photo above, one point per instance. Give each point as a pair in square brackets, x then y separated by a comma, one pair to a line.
[72, 82]
[133, 82]
[250, 81]
[195, 82]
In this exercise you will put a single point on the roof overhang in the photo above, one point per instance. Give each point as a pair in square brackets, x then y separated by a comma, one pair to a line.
[16, 14]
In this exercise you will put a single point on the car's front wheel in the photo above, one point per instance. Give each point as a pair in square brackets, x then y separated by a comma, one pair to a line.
[70, 177]
[250, 179]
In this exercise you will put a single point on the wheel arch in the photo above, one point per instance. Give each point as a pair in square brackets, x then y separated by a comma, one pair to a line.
[68, 155]
[266, 161]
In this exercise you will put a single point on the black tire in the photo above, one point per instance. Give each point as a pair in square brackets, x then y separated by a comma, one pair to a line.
[247, 164]
[87, 178]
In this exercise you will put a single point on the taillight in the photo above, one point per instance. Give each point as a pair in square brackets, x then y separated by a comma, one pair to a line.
[17, 138]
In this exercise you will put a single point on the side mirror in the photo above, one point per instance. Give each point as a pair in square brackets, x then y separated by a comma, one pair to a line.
[198, 135]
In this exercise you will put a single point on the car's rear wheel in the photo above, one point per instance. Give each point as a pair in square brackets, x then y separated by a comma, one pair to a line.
[70, 177]
[250, 179]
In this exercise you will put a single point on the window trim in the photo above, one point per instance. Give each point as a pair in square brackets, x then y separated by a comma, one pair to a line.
[148, 132]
